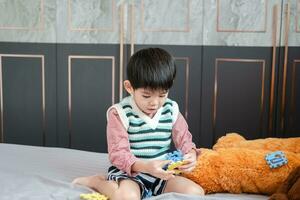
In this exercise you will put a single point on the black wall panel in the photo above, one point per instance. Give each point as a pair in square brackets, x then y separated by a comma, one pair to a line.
[83, 101]
[25, 120]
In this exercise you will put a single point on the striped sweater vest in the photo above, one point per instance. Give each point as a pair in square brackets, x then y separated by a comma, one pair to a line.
[148, 140]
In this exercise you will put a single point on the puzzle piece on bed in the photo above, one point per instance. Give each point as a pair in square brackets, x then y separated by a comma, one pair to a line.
[276, 159]
[93, 196]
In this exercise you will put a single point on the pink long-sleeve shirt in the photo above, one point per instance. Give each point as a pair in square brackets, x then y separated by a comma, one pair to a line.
[118, 143]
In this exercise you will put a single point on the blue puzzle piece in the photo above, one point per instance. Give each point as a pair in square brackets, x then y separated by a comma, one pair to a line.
[174, 156]
[276, 159]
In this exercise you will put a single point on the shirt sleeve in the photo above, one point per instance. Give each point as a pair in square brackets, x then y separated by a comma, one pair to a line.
[119, 152]
[182, 137]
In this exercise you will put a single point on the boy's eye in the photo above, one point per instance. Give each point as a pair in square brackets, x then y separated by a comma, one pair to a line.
[162, 96]
[145, 96]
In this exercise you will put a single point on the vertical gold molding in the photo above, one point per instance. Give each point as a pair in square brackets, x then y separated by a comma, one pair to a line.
[274, 43]
[237, 30]
[187, 71]
[70, 57]
[39, 28]
[297, 16]
[42, 18]
[121, 33]
[69, 101]
[293, 95]
[215, 94]
[43, 91]
[132, 28]
[1, 103]
[286, 40]
[43, 100]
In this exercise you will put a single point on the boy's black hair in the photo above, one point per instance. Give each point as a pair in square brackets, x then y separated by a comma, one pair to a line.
[152, 68]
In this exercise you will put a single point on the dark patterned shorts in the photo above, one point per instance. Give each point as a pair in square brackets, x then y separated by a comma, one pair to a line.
[149, 185]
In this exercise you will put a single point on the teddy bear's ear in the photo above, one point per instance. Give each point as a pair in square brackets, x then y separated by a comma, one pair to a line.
[279, 196]
[229, 140]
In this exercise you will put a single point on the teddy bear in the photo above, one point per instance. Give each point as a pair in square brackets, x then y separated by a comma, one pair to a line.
[236, 165]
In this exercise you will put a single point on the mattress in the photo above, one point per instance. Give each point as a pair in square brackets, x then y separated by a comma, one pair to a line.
[45, 173]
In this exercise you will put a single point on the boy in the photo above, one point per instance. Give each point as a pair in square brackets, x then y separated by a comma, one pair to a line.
[139, 133]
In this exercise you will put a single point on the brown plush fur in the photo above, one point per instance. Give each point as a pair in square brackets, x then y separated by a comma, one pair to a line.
[271, 144]
[237, 170]
[290, 188]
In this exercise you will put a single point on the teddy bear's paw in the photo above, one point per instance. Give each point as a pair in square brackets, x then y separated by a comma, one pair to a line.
[279, 196]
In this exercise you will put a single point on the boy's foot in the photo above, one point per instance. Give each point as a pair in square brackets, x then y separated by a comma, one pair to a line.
[89, 181]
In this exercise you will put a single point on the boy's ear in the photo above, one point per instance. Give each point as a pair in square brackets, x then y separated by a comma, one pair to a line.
[128, 87]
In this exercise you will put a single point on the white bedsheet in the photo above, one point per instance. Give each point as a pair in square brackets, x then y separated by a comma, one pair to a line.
[45, 173]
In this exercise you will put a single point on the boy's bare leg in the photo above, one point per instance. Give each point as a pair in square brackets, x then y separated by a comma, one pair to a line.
[183, 185]
[127, 189]
[98, 183]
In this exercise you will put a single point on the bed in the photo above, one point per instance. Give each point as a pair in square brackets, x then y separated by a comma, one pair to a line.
[45, 173]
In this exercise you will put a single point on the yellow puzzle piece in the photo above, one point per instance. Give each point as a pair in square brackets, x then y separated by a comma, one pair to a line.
[175, 165]
[93, 196]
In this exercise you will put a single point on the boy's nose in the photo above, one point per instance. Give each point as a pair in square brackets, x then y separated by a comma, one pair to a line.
[154, 102]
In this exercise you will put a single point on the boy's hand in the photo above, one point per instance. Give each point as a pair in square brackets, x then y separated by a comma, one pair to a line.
[190, 161]
[155, 168]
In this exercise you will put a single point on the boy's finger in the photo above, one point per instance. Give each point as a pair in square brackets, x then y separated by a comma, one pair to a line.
[171, 172]
[188, 165]
[188, 169]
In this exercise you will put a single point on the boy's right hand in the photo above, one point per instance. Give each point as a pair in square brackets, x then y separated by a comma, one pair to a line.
[155, 168]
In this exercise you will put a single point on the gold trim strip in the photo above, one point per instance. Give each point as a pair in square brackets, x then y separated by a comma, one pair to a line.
[237, 30]
[110, 29]
[274, 41]
[187, 71]
[1, 103]
[286, 40]
[69, 102]
[297, 17]
[43, 101]
[216, 85]
[121, 50]
[39, 28]
[215, 96]
[42, 16]
[70, 57]
[43, 91]
[186, 29]
[293, 95]
[132, 28]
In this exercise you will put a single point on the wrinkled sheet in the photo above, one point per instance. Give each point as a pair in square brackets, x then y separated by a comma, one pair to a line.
[45, 173]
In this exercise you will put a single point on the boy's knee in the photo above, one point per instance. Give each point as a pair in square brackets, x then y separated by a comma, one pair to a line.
[126, 195]
[131, 196]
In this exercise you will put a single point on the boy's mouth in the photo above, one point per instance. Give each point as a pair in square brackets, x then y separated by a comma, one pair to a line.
[151, 110]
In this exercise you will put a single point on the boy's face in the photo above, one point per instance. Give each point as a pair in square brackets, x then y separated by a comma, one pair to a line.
[148, 101]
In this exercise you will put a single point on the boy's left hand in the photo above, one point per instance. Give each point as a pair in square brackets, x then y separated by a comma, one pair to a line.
[190, 160]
